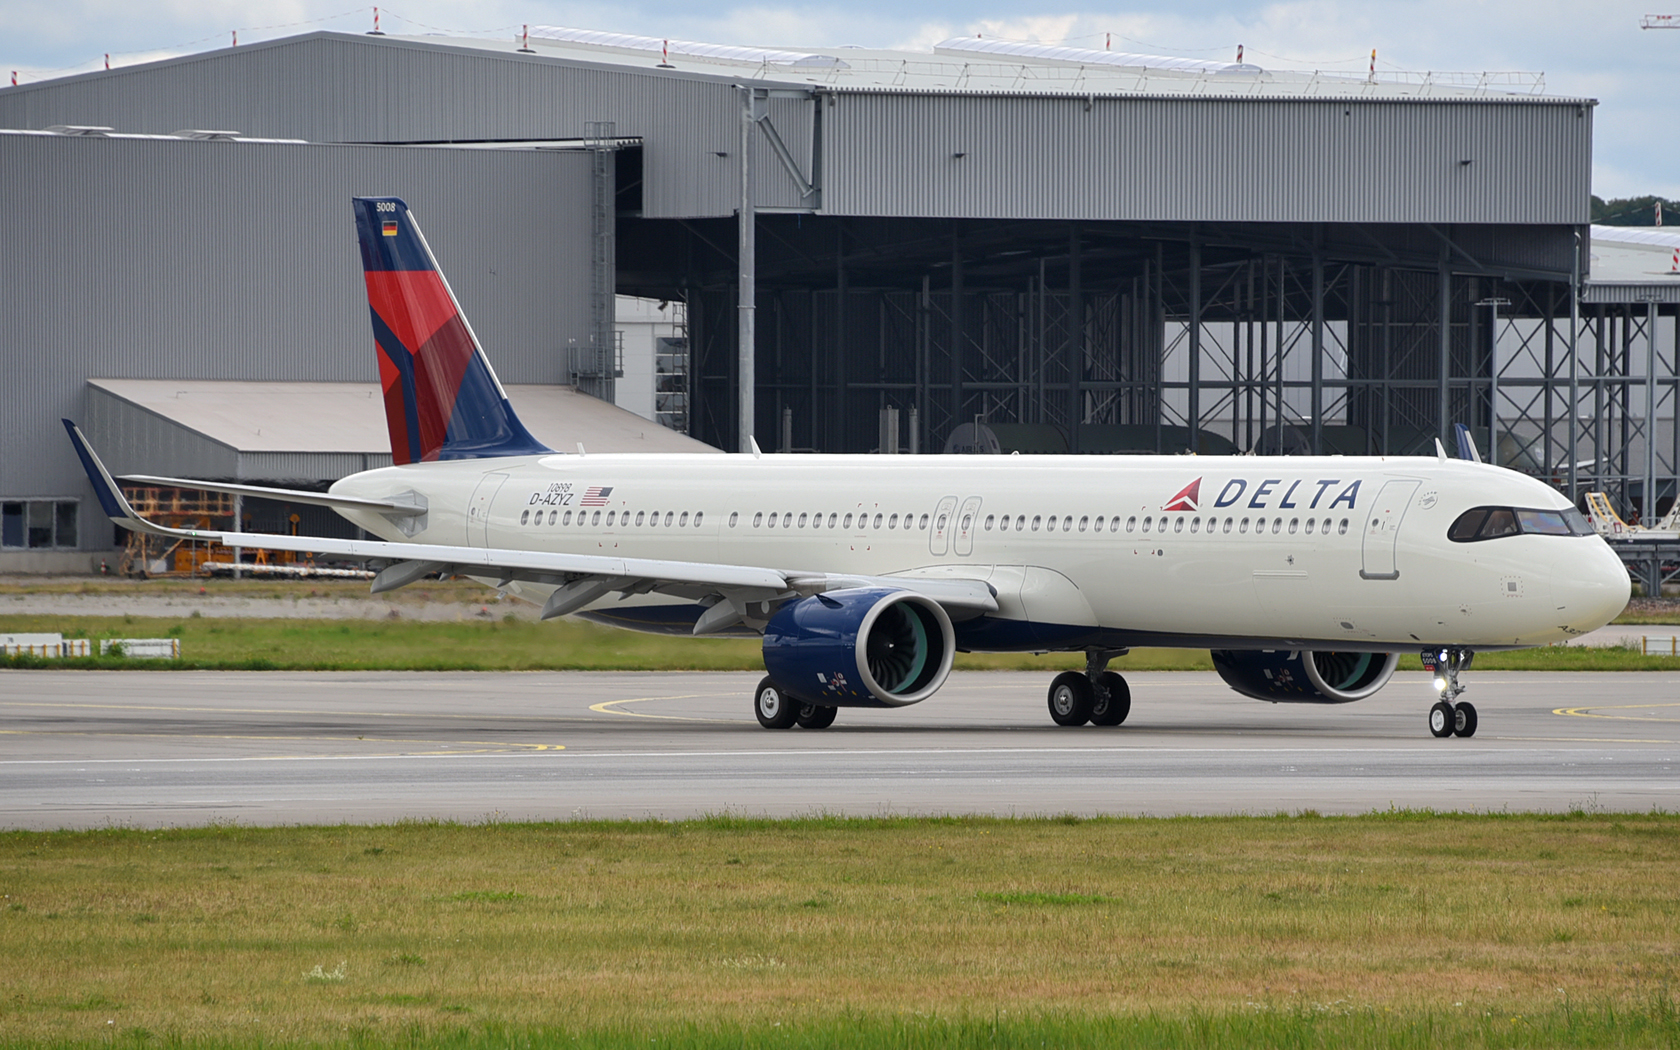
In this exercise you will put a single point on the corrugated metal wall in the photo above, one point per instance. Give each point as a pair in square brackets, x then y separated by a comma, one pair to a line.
[1213, 160]
[331, 87]
[886, 153]
[132, 258]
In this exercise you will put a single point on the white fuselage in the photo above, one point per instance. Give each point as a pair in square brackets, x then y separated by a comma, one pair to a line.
[1266, 552]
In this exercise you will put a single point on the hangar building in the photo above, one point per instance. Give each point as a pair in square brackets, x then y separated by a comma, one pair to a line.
[988, 244]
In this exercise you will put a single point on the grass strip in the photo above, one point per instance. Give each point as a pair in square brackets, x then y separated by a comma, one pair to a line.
[1395, 929]
[214, 643]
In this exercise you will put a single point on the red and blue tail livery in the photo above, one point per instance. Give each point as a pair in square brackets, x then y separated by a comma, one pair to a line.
[442, 399]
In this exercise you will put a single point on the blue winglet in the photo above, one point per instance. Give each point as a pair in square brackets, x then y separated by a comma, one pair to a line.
[104, 486]
[1466, 443]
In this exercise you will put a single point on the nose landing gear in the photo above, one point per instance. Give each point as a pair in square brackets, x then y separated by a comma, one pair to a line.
[1450, 716]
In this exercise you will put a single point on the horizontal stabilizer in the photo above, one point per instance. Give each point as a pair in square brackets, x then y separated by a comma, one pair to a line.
[388, 507]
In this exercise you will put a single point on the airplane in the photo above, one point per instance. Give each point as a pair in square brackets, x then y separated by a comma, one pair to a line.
[1305, 577]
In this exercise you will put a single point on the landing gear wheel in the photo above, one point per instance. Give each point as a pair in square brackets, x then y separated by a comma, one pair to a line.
[1441, 719]
[1070, 699]
[1464, 719]
[1113, 700]
[816, 716]
[774, 708]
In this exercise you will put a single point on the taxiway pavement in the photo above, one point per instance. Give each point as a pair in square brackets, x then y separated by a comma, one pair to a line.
[87, 749]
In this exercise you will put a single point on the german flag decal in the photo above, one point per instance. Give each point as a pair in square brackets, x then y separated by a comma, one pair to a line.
[389, 228]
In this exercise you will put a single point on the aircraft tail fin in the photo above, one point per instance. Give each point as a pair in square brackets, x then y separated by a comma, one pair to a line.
[442, 398]
[1466, 443]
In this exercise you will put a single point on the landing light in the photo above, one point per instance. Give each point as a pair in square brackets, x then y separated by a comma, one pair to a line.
[1440, 683]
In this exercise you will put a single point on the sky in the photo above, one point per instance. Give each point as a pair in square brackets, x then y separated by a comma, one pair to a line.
[1586, 48]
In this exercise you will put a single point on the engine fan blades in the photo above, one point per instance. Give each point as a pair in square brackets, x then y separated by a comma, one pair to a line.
[896, 650]
[1342, 670]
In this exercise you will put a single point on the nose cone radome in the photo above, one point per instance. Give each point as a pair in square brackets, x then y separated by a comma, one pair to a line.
[1591, 589]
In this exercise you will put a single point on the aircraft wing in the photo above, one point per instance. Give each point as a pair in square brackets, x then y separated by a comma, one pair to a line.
[729, 591]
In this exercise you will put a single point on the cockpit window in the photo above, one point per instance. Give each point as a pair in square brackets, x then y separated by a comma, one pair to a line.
[1544, 522]
[1500, 522]
[1489, 523]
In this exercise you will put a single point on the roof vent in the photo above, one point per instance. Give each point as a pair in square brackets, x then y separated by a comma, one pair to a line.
[91, 131]
[204, 135]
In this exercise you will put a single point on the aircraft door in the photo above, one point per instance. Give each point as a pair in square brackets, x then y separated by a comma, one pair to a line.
[1382, 530]
[940, 528]
[968, 520]
[478, 511]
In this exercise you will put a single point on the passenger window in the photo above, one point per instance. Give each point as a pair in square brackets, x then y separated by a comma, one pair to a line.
[1227, 525]
[1003, 523]
[698, 515]
[968, 519]
[877, 521]
[734, 516]
[758, 519]
[1195, 524]
[683, 521]
[610, 515]
[1020, 522]
[892, 522]
[1131, 522]
[1242, 526]
[1146, 523]
[567, 520]
[846, 522]
[1277, 526]
[1097, 527]
[1178, 524]
[524, 517]
[1050, 523]
[1082, 522]
[803, 518]
[832, 518]
[638, 517]
[924, 520]
[668, 516]
[1342, 531]
[1309, 526]
[989, 519]
[941, 522]
[595, 518]
[1036, 520]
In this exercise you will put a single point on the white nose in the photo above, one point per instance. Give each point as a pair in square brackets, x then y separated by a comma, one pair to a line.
[1592, 587]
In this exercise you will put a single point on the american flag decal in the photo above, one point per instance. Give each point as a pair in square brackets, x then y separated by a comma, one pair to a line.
[596, 496]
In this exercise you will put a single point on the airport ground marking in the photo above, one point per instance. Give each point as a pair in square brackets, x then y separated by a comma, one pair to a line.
[610, 707]
[467, 747]
[1592, 712]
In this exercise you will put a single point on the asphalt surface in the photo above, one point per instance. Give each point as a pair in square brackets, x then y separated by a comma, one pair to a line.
[87, 749]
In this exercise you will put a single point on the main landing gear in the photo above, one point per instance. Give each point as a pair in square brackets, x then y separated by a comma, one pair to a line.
[776, 710]
[1450, 716]
[1098, 696]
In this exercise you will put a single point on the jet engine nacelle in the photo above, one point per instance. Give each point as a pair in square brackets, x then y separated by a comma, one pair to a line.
[862, 647]
[1304, 676]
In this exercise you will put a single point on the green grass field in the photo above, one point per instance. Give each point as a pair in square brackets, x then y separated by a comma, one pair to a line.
[213, 643]
[1391, 930]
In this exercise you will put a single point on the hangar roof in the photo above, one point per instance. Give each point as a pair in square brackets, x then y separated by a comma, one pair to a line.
[278, 431]
[1633, 264]
[990, 66]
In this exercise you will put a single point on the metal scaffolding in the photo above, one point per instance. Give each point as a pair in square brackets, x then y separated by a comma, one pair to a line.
[1137, 338]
